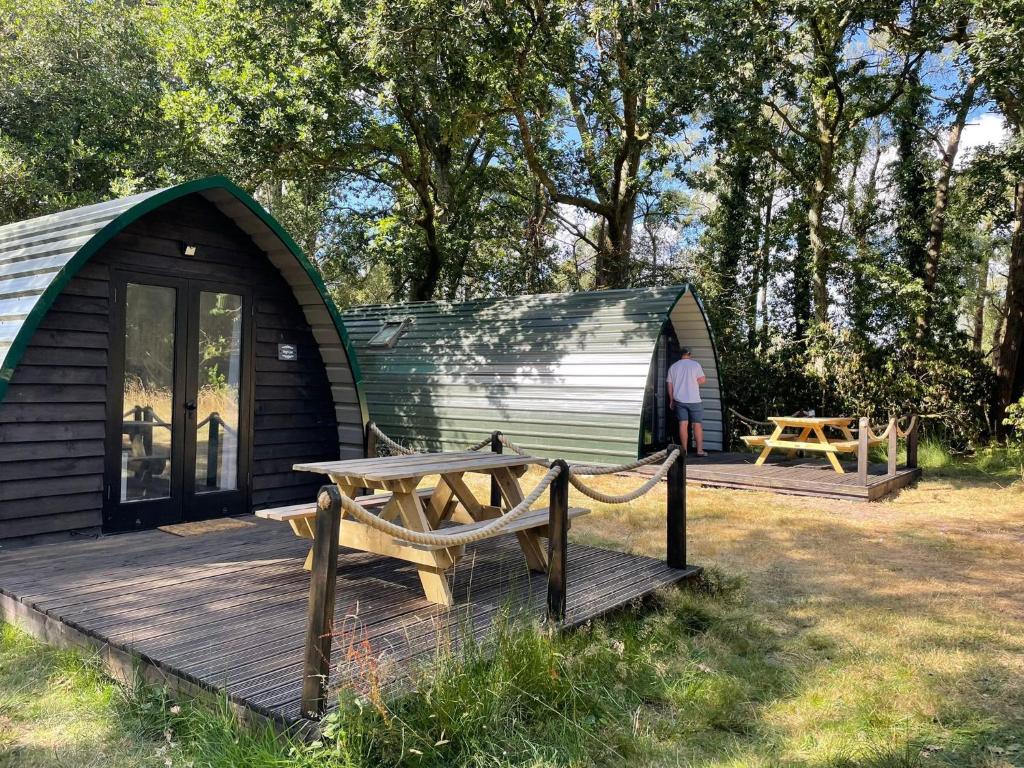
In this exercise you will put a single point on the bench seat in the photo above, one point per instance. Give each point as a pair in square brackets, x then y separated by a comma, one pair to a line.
[307, 510]
[754, 439]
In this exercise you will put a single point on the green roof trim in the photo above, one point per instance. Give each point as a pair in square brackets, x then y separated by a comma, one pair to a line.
[115, 226]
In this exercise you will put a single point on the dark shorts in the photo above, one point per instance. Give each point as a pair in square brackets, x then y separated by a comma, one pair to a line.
[691, 412]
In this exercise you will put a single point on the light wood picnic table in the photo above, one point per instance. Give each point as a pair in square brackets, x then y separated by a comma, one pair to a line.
[401, 476]
[808, 433]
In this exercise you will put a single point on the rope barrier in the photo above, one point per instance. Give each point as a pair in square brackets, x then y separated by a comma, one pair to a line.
[591, 469]
[632, 495]
[363, 515]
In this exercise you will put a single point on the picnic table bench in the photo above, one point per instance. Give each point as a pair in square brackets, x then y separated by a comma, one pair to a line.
[808, 433]
[450, 507]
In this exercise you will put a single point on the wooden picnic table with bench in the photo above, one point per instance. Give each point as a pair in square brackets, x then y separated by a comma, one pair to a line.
[808, 433]
[449, 508]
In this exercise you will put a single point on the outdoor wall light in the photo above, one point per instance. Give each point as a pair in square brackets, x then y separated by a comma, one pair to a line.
[190, 250]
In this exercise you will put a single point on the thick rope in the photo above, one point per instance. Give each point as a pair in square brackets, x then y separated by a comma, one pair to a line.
[432, 539]
[593, 469]
[634, 494]
[399, 448]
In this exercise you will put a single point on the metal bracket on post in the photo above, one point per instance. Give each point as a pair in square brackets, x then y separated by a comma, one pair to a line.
[320, 613]
[863, 427]
[675, 511]
[496, 447]
[558, 543]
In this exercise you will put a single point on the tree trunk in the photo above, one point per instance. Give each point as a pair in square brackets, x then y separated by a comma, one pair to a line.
[937, 225]
[1009, 358]
[759, 288]
[980, 294]
[816, 227]
[801, 285]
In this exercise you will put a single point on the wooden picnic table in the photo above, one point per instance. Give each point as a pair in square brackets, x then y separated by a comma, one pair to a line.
[450, 500]
[808, 433]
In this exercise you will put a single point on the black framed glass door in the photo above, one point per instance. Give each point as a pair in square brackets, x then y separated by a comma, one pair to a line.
[177, 447]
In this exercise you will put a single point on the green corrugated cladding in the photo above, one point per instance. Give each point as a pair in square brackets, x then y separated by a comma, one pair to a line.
[38, 258]
[561, 374]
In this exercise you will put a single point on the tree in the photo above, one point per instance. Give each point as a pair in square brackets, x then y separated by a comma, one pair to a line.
[80, 115]
[601, 92]
[824, 84]
[389, 97]
[996, 48]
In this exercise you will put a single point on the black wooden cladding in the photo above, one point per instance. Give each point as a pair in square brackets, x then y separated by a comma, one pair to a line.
[52, 420]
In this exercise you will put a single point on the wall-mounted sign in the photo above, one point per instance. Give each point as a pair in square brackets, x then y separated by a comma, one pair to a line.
[287, 352]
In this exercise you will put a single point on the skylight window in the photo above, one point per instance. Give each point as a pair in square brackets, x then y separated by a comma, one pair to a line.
[388, 334]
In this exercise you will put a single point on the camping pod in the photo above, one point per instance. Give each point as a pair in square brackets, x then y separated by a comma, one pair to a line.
[579, 375]
[164, 357]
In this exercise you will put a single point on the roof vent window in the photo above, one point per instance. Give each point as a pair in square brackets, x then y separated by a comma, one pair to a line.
[389, 332]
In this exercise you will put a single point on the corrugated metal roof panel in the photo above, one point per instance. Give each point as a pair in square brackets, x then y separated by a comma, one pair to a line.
[561, 374]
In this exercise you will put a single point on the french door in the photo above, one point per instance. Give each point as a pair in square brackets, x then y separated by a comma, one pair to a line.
[181, 402]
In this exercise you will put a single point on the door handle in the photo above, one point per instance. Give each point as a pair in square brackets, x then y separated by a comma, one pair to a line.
[190, 406]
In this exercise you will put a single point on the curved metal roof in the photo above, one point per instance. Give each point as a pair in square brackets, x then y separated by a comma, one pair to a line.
[561, 374]
[38, 257]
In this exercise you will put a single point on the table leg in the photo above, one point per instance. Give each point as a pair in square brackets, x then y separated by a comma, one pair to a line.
[536, 554]
[768, 449]
[433, 579]
[820, 433]
[441, 503]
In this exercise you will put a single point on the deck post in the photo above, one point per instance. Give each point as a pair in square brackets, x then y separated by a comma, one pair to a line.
[675, 517]
[558, 543]
[320, 613]
[891, 448]
[912, 442]
[371, 441]
[863, 426]
[496, 447]
[213, 451]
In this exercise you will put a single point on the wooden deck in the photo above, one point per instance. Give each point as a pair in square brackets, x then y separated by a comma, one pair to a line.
[226, 611]
[803, 477]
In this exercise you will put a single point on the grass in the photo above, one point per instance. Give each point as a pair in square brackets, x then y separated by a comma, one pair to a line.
[827, 634]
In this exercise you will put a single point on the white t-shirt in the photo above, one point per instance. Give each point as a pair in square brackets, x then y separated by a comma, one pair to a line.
[683, 377]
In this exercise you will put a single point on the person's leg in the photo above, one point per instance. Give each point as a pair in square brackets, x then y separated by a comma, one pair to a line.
[697, 419]
[683, 442]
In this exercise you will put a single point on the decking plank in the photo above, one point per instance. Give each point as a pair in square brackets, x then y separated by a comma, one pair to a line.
[227, 610]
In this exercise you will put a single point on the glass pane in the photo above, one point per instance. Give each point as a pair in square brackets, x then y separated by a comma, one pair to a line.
[220, 373]
[148, 392]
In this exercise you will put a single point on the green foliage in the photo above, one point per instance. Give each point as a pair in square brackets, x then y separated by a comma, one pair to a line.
[80, 115]
[1015, 420]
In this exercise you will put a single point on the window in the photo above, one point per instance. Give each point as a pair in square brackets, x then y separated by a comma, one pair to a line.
[388, 334]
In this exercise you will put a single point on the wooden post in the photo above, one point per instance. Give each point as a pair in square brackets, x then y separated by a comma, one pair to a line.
[496, 447]
[148, 416]
[863, 426]
[912, 443]
[320, 613]
[891, 448]
[371, 441]
[213, 451]
[675, 509]
[558, 542]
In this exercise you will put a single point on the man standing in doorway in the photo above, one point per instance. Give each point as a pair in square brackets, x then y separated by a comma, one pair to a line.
[684, 380]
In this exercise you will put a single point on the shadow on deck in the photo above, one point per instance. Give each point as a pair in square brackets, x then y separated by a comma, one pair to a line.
[800, 476]
[226, 611]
